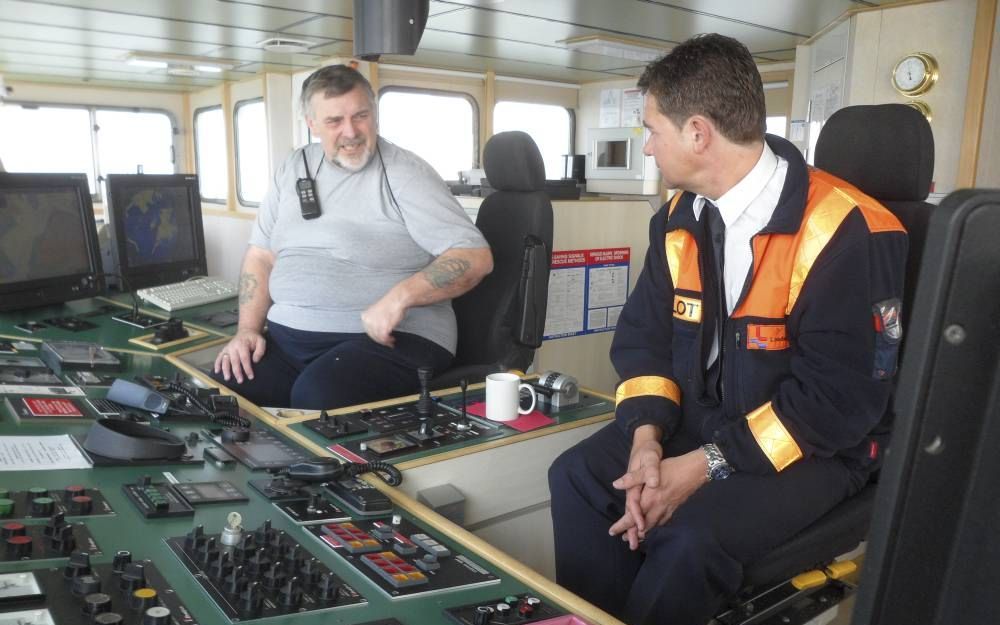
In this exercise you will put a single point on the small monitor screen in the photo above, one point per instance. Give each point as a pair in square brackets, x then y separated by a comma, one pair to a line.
[48, 240]
[41, 234]
[157, 224]
[612, 154]
[158, 237]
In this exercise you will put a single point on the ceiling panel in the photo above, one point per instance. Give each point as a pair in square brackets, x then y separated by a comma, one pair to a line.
[69, 40]
[200, 11]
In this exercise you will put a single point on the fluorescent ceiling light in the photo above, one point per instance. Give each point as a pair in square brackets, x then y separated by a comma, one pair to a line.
[615, 47]
[178, 65]
[285, 45]
[141, 62]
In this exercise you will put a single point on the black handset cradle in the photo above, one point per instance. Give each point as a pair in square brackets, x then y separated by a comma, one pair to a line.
[306, 190]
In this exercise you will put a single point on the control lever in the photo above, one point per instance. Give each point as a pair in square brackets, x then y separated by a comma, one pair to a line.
[425, 405]
[463, 424]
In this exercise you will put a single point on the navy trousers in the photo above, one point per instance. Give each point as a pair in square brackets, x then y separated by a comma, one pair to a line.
[685, 568]
[320, 370]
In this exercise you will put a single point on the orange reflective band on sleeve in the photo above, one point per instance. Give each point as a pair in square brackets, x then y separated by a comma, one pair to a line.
[687, 308]
[648, 385]
[772, 437]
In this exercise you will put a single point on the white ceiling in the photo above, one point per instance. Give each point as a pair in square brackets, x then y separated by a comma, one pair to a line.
[87, 41]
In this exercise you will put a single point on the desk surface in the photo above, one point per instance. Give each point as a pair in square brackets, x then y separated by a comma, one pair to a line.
[128, 530]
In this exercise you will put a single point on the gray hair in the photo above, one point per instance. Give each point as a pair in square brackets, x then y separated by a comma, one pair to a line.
[333, 81]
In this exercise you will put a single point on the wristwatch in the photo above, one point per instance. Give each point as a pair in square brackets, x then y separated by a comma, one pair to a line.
[718, 468]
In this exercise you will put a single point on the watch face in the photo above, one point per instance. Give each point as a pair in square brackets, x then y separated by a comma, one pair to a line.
[910, 72]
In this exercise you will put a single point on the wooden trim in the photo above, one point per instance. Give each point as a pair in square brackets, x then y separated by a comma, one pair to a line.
[850, 12]
[489, 102]
[187, 135]
[232, 201]
[975, 94]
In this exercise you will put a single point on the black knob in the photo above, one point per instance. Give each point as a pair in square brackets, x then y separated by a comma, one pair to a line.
[293, 558]
[55, 522]
[290, 594]
[144, 481]
[482, 615]
[108, 618]
[222, 566]
[235, 435]
[324, 416]
[273, 578]
[37, 491]
[425, 405]
[79, 564]
[208, 553]
[235, 581]
[328, 590]
[259, 563]
[252, 599]
[63, 541]
[502, 611]
[310, 571]
[264, 533]
[277, 544]
[156, 615]
[315, 500]
[86, 585]
[133, 578]
[121, 560]
[246, 547]
[195, 539]
[96, 603]
[81, 504]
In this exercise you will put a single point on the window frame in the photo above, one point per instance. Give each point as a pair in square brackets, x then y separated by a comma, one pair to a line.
[572, 123]
[194, 142]
[446, 93]
[94, 137]
[236, 146]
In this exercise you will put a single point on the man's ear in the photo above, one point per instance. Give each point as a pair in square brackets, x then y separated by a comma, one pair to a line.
[701, 133]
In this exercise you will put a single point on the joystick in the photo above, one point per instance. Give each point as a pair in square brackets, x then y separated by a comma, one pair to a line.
[463, 424]
[425, 405]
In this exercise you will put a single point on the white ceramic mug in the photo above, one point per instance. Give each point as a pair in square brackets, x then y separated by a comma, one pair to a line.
[503, 397]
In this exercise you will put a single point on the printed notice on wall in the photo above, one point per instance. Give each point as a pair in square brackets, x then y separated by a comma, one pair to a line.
[611, 108]
[631, 108]
[587, 289]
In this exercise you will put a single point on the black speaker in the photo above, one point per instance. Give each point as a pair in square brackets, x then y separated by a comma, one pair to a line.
[388, 27]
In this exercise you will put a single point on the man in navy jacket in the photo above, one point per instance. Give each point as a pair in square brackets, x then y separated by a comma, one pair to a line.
[756, 355]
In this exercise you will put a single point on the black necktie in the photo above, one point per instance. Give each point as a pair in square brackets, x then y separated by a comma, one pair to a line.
[715, 233]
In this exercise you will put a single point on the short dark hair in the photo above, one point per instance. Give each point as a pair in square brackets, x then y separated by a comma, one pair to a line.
[714, 76]
[333, 81]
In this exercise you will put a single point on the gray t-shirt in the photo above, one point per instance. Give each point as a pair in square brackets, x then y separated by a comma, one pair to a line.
[328, 270]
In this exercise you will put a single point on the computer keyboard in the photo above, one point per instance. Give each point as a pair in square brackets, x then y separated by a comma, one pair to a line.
[171, 297]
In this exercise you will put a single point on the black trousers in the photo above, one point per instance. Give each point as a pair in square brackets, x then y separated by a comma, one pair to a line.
[686, 567]
[324, 370]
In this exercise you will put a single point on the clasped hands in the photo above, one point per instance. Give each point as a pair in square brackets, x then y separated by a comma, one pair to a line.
[655, 487]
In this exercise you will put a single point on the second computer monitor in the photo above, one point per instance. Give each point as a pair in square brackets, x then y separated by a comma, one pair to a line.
[156, 229]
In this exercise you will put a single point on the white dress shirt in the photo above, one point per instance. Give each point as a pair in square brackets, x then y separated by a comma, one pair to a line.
[746, 209]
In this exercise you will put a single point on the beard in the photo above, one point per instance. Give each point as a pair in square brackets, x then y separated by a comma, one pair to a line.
[353, 162]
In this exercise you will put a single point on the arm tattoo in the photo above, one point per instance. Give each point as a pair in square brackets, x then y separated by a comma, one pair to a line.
[444, 272]
[248, 284]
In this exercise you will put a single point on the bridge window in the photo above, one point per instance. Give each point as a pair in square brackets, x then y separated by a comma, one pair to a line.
[549, 125]
[441, 127]
[210, 154]
[31, 132]
[251, 151]
[91, 140]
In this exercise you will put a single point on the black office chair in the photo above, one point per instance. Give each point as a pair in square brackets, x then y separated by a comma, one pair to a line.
[886, 151]
[500, 322]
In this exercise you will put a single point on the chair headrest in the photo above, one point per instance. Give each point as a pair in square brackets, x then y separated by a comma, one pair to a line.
[886, 150]
[513, 162]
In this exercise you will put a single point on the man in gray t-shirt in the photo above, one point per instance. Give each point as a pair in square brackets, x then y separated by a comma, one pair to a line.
[356, 297]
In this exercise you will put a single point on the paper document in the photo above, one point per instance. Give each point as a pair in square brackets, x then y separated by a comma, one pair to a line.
[40, 453]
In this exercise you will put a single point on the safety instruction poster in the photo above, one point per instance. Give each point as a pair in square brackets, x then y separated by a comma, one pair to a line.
[587, 289]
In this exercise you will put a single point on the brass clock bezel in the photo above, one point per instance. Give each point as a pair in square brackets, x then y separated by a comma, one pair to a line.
[922, 107]
[930, 74]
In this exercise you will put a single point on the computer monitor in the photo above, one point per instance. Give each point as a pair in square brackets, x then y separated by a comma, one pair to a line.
[157, 236]
[934, 547]
[48, 240]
